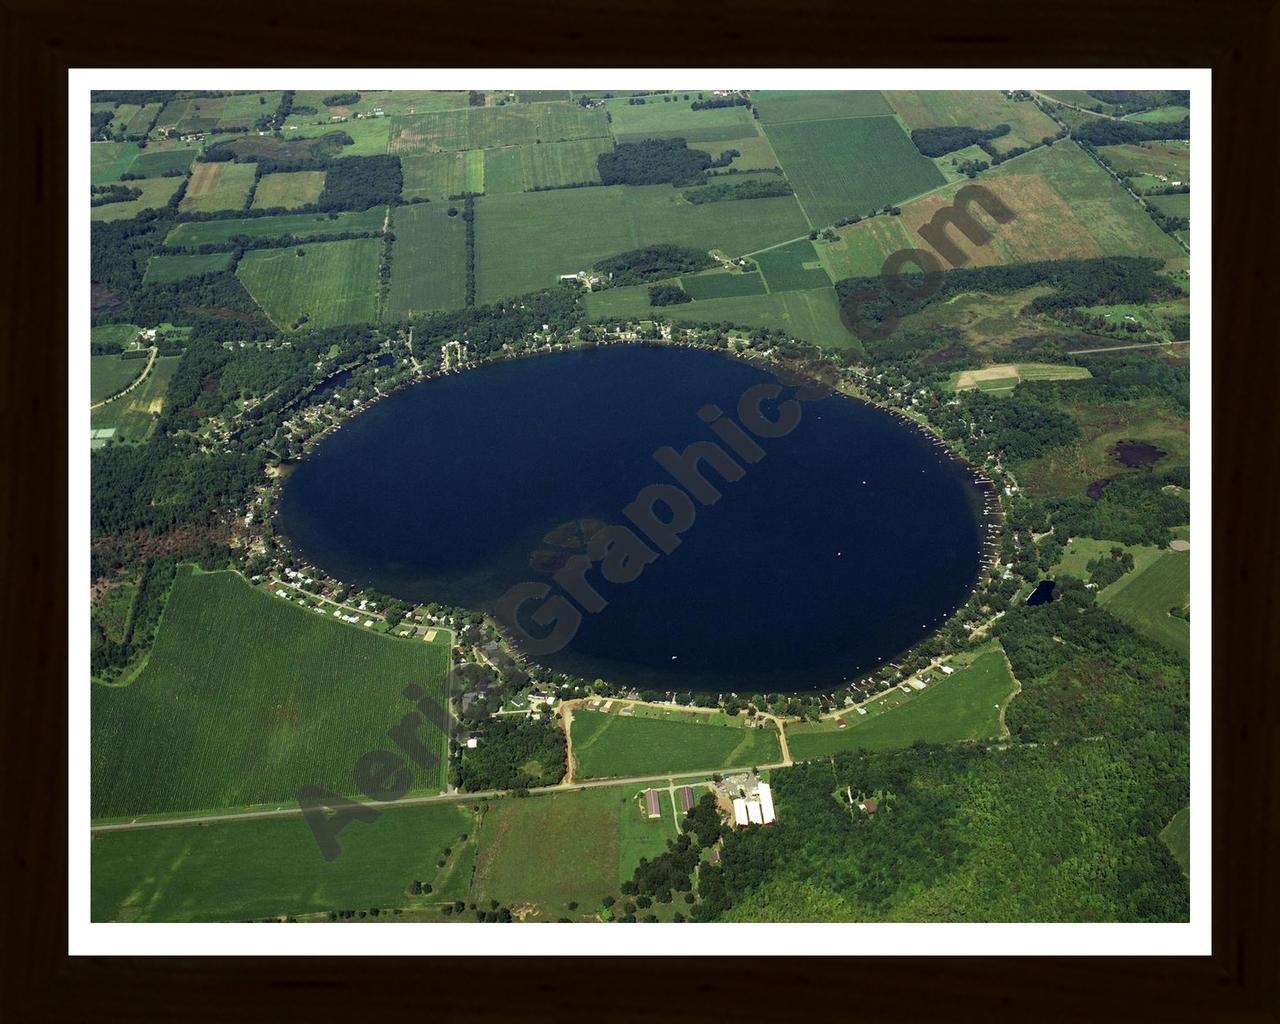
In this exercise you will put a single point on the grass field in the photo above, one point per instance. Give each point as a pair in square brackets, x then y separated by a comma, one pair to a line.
[246, 697]
[134, 416]
[108, 374]
[539, 854]
[368, 135]
[777, 106]
[399, 101]
[157, 163]
[1177, 205]
[249, 870]
[1168, 115]
[1177, 837]
[850, 165]
[754, 153]
[109, 160]
[1077, 555]
[975, 109]
[1143, 598]
[1004, 376]
[861, 249]
[156, 192]
[487, 127]
[655, 119]
[330, 282]
[244, 110]
[121, 334]
[524, 168]
[1172, 159]
[166, 269]
[606, 745]
[202, 114]
[429, 260]
[813, 316]
[218, 186]
[523, 242]
[720, 285]
[1067, 472]
[298, 225]
[793, 267]
[288, 189]
[951, 709]
[437, 176]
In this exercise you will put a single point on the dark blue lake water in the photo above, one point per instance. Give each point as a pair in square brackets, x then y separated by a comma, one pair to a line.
[851, 539]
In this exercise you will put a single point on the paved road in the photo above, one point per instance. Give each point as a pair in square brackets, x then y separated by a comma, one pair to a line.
[414, 801]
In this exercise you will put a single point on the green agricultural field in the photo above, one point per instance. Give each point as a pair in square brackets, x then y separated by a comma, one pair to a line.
[246, 697]
[286, 225]
[547, 851]
[850, 165]
[202, 114]
[109, 160]
[1144, 597]
[166, 269]
[122, 115]
[244, 111]
[1172, 159]
[218, 186]
[329, 283]
[1177, 837]
[429, 260]
[793, 267]
[134, 416]
[550, 165]
[437, 176]
[975, 109]
[398, 101]
[288, 189]
[778, 106]
[720, 285]
[951, 709]
[109, 374]
[524, 242]
[156, 192]
[249, 870]
[368, 135]
[1077, 555]
[606, 745]
[754, 154]
[142, 121]
[812, 316]
[1176, 205]
[121, 334]
[487, 127]
[1007, 375]
[1161, 115]
[655, 119]
[861, 249]
[172, 113]
[151, 163]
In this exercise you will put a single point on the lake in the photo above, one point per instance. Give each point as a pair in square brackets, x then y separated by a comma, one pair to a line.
[850, 539]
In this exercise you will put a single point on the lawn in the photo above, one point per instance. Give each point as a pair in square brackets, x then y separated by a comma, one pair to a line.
[329, 283]
[109, 374]
[288, 189]
[1144, 597]
[542, 853]
[975, 109]
[249, 870]
[487, 127]
[606, 745]
[156, 163]
[792, 267]
[1177, 837]
[778, 106]
[655, 119]
[109, 160]
[812, 316]
[166, 268]
[550, 165]
[218, 186]
[134, 416]
[297, 225]
[721, 284]
[850, 165]
[524, 242]
[156, 192]
[245, 697]
[951, 709]
[429, 260]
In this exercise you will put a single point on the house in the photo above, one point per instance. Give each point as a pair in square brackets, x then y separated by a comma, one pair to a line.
[652, 804]
[947, 670]
[869, 806]
[473, 741]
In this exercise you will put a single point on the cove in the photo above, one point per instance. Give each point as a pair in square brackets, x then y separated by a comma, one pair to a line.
[854, 536]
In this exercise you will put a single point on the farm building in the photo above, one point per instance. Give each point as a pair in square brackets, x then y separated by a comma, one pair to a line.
[753, 812]
[686, 798]
[766, 803]
[947, 670]
[740, 812]
[652, 803]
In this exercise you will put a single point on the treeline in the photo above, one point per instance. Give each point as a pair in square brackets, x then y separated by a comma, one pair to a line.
[720, 101]
[653, 162]
[485, 329]
[668, 295]
[102, 195]
[469, 217]
[340, 99]
[762, 189]
[1132, 101]
[508, 745]
[1106, 132]
[359, 182]
[653, 263]
[948, 138]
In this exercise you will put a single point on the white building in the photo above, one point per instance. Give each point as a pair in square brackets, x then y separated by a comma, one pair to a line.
[739, 811]
[753, 812]
[766, 803]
